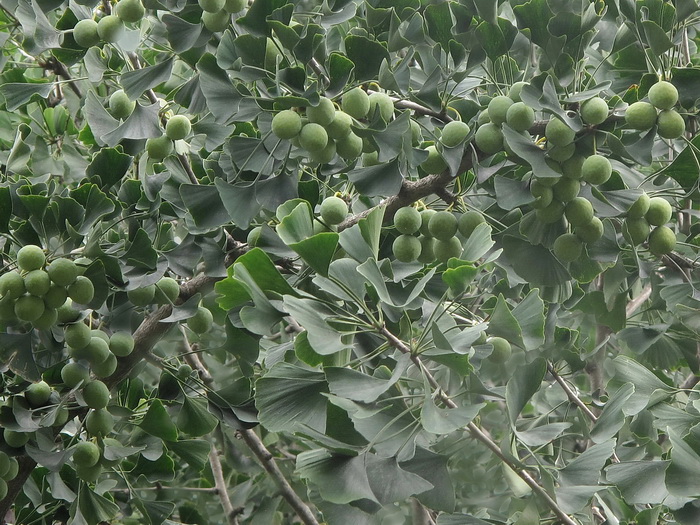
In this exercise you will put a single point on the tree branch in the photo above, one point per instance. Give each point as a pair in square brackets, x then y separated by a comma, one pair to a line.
[220, 484]
[571, 394]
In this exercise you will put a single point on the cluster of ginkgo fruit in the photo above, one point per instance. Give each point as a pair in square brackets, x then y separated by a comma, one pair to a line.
[9, 468]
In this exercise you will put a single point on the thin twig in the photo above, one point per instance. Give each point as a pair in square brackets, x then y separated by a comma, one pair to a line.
[571, 394]
[635, 303]
[220, 484]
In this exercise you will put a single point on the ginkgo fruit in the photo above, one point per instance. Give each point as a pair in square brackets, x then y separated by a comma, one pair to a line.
[178, 127]
[659, 211]
[454, 133]
[594, 111]
[443, 225]
[355, 103]
[30, 258]
[662, 240]
[663, 95]
[333, 210]
[568, 247]
[407, 220]
[640, 115]
[406, 248]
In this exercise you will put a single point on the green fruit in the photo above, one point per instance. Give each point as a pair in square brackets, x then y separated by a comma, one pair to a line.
[7, 310]
[340, 127]
[579, 211]
[543, 194]
[670, 124]
[636, 231]
[659, 212]
[3, 489]
[167, 291]
[594, 111]
[323, 113]
[501, 350]
[66, 312]
[37, 394]
[313, 137]
[130, 11]
[30, 258]
[468, 222]
[82, 290]
[89, 474]
[37, 282]
[434, 163]
[355, 103]
[62, 272]
[286, 124]
[142, 296]
[640, 207]
[121, 344]
[216, 22]
[407, 220]
[201, 322]
[489, 138]
[77, 336]
[558, 133]
[73, 373]
[370, 159]
[4, 464]
[211, 6]
[254, 236]
[96, 352]
[184, 371]
[572, 167]
[483, 118]
[568, 247]
[85, 33]
[178, 127]
[591, 231]
[425, 216]
[416, 135]
[100, 335]
[12, 285]
[159, 147]
[498, 109]
[12, 471]
[110, 28]
[427, 250]
[235, 6]
[520, 116]
[561, 153]
[406, 248]
[99, 422]
[454, 133]
[96, 394]
[29, 308]
[333, 210]
[15, 439]
[662, 240]
[515, 89]
[663, 95]
[443, 225]
[106, 368]
[447, 249]
[566, 189]
[47, 319]
[596, 169]
[550, 214]
[384, 103]
[640, 115]
[326, 155]
[349, 147]
[86, 454]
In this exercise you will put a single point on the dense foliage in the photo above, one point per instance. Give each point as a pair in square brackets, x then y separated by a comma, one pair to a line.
[349, 262]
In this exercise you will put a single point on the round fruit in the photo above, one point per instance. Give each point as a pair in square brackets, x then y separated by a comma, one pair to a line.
[568, 247]
[100, 335]
[384, 103]
[333, 210]
[12, 471]
[434, 163]
[37, 282]
[47, 319]
[447, 249]
[110, 28]
[4, 464]
[483, 118]
[340, 126]
[498, 109]
[216, 22]
[55, 297]
[82, 290]
[313, 137]
[29, 308]
[407, 220]
[96, 394]
[572, 167]
[167, 291]
[130, 11]
[416, 135]
[349, 147]
[406, 248]
[254, 236]
[659, 212]
[663, 95]
[85, 33]
[89, 474]
[425, 216]
[178, 127]
[96, 352]
[443, 225]
[596, 169]
[355, 103]
[579, 211]
[501, 349]
[212, 6]
[427, 250]
[370, 158]
[63, 272]
[3, 489]
[468, 222]
[325, 155]
[640, 207]
[121, 107]
[670, 124]
[636, 231]
[184, 371]
[142, 296]
[558, 133]
[15, 439]
[561, 153]
[566, 189]
[201, 322]
[73, 373]
[515, 89]
[454, 133]
[12, 285]
[489, 138]
[86, 454]
[640, 115]
[121, 344]
[286, 124]
[594, 111]
[662, 240]
[38, 394]
[30, 258]
[543, 194]
[550, 214]
[591, 231]
[99, 422]
[235, 6]
[106, 368]
[322, 114]
[159, 147]
[66, 312]
[520, 116]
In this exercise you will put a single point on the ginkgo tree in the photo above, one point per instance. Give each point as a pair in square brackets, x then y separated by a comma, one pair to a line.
[349, 262]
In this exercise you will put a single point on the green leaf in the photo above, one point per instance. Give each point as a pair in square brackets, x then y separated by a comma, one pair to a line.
[585, 468]
[530, 152]
[648, 389]
[681, 476]
[529, 313]
[446, 420]
[255, 19]
[17, 95]
[94, 507]
[433, 468]
[685, 168]
[141, 124]
[541, 435]
[205, 205]
[478, 243]
[194, 418]
[157, 422]
[612, 418]
[440, 23]
[355, 385]
[136, 82]
[366, 54]
[194, 451]
[640, 482]
[110, 164]
[155, 512]
[390, 483]
[340, 68]
[297, 225]
[381, 180]
[339, 479]
[535, 264]
[502, 323]
[160, 469]
[459, 278]
[222, 98]
[656, 37]
[313, 316]
[522, 386]
[511, 193]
